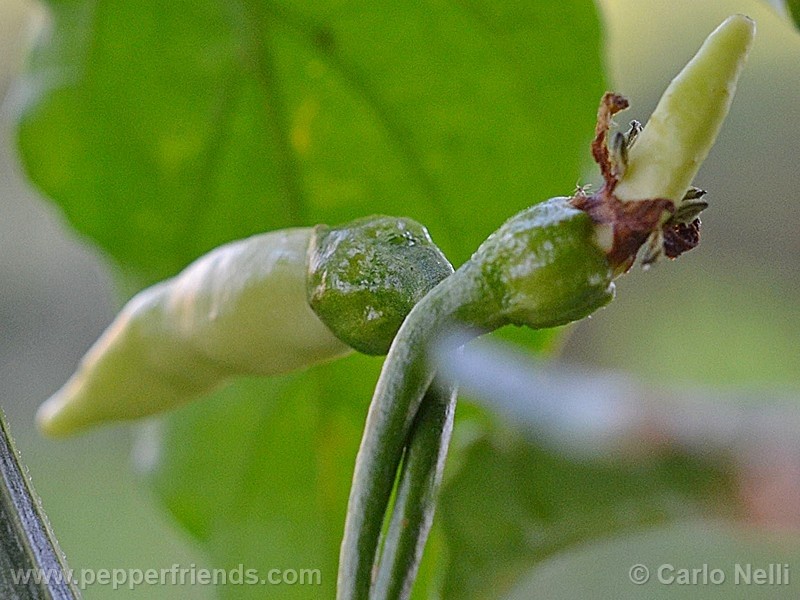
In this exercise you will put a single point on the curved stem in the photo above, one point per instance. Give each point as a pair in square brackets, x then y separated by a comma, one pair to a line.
[403, 382]
[541, 268]
[415, 502]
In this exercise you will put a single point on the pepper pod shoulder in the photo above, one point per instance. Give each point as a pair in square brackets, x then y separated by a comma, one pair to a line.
[544, 267]
[365, 276]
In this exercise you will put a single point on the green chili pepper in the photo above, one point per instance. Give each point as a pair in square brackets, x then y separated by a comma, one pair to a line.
[243, 309]
[549, 265]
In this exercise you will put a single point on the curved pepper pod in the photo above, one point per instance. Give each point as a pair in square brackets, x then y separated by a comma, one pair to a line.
[242, 309]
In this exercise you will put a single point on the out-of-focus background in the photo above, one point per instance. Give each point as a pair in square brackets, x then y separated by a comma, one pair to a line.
[726, 314]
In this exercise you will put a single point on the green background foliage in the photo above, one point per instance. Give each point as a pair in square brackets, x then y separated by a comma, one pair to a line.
[163, 129]
[793, 8]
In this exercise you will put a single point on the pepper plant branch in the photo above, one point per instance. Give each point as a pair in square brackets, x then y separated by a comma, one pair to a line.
[405, 376]
[288, 299]
[415, 500]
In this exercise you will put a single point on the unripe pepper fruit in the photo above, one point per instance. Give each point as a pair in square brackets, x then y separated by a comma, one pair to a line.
[243, 309]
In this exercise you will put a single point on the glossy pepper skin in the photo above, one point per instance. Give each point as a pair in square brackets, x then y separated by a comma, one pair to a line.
[243, 309]
[365, 276]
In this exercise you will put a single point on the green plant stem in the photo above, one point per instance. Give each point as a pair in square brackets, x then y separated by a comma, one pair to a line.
[544, 267]
[27, 544]
[403, 382]
[541, 268]
[417, 490]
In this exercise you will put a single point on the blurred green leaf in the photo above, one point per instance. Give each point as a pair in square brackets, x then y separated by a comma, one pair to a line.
[511, 505]
[789, 9]
[260, 473]
[601, 569]
[794, 11]
[164, 129]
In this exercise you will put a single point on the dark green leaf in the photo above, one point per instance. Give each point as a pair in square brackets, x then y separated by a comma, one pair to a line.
[793, 6]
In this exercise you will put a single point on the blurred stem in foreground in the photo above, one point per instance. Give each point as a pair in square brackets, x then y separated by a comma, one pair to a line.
[32, 565]
[591, 415]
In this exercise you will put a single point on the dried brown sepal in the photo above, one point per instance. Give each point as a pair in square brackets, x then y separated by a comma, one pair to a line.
[635, 222]
[680, 238]
[610, 105]
[632, 222]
